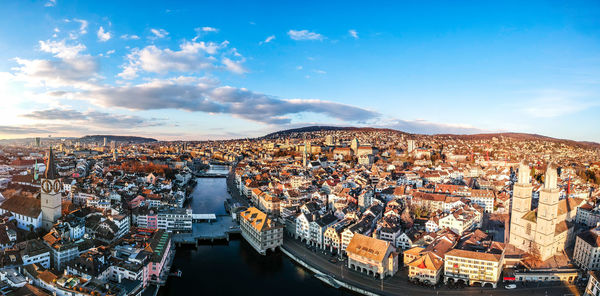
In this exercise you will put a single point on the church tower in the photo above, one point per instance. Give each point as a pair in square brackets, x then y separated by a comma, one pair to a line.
[521, 204]
[547, 213]
[50, 196]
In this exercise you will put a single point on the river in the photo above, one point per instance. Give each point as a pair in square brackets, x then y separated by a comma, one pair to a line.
[235, 268]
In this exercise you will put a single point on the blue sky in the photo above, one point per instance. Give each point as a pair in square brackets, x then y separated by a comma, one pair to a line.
[228, 69]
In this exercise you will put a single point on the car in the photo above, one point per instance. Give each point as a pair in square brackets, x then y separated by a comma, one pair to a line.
[510, 286]
[333, 260]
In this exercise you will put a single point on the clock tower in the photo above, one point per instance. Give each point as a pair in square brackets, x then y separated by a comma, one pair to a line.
[51, 199]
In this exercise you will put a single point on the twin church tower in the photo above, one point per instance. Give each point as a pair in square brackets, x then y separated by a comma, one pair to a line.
[545, 230]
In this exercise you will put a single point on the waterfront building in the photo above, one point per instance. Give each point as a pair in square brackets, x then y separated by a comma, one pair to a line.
[333, 235]
[318, 227]
[166, 218]
[475, 267]
[426, 269]
[586, 253]
[372, 256]
[261, 232]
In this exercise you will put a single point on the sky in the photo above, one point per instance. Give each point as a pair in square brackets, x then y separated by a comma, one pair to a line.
[195, 70]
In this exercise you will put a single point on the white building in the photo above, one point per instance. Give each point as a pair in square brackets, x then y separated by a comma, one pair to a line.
[586, 253]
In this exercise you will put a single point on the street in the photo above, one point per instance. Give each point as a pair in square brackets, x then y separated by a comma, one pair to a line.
[399, 285]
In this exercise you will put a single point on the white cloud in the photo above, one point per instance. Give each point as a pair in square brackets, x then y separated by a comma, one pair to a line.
[103, 36]
[209, 29]
[130, 37]
[56, 30]
[159, 33]
[70, 68]
[83, 26]
[191, 57]
[60, 49]
[234, 66]
[268, 39]
[50, 3]
[320, 71]
[353, 33]
[77, 72]
[304, 35]
[299, 68]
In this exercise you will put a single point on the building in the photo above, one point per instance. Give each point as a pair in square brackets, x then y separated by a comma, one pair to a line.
[547, 229]
[426, 269]
[588, 215]
[167, 218]
[593, 285]
[25, 210]
[410, 146]
[473, 267]
[261, 232]
[586, 253]
[51, 199]
[372, 256]
[34, 252]
[484, 198]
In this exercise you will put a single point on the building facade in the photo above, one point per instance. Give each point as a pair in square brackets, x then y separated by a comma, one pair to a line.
[261, 232]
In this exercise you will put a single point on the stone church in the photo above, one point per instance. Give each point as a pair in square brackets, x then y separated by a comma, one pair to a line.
[547, 229]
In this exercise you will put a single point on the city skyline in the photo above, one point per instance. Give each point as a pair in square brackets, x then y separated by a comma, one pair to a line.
[235, 70]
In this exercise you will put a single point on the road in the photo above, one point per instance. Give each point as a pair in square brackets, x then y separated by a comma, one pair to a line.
[399, 285]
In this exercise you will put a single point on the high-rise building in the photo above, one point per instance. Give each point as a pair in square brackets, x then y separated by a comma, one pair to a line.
[410, 145]
[104, 142]
[330, 140]
[38, 141]
[51, 200]
[354, 145]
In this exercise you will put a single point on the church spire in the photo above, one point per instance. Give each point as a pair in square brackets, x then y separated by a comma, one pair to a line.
[51, 167]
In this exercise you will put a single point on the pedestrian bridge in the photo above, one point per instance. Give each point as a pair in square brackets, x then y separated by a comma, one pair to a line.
[218, 228]
[204, 217]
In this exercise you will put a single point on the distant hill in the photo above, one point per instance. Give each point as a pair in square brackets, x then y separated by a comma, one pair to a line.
[322, 128]
[525, 137]
[487, 136]
[109, 138]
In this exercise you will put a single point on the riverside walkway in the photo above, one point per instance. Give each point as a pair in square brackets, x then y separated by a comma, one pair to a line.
[336, 274]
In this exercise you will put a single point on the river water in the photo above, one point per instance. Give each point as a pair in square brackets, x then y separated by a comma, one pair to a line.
[235, 268]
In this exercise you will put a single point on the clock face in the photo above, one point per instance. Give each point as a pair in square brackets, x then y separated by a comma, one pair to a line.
[46, 186]
[57, 186]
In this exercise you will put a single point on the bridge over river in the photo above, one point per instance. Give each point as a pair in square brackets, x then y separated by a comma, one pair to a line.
[219, 228]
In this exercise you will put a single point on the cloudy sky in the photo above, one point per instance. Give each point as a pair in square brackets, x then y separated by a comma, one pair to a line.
[223, 69]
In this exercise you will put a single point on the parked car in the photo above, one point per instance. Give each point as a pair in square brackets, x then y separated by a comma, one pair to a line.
[510, 286]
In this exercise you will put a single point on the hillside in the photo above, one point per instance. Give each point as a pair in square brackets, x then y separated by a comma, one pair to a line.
[322, 128]
[487, 136]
